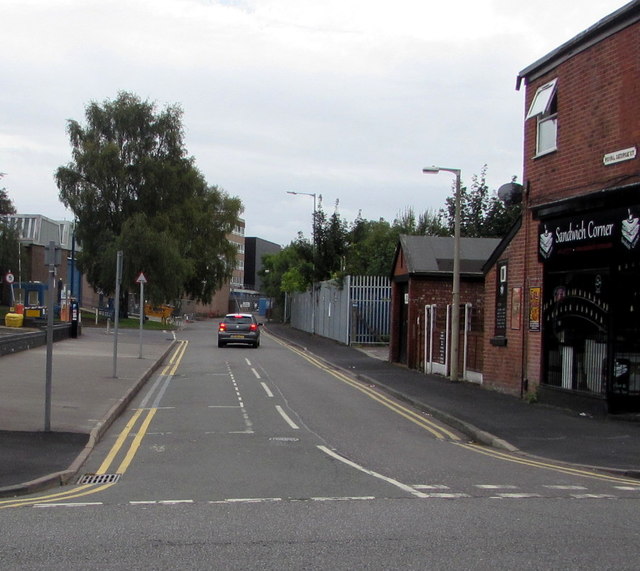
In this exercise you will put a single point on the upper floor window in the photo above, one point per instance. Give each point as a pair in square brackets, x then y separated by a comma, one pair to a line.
[544, 108]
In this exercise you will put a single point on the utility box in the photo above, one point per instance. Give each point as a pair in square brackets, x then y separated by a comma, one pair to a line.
[13, 319]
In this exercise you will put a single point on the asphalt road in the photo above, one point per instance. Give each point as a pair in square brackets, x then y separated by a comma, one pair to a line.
[242, 458]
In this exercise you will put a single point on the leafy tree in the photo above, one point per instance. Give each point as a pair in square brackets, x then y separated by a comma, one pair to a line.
[482, 213]
[329, 244]
[428, 223]
[132, 187]
[6, 204]
[9, 238]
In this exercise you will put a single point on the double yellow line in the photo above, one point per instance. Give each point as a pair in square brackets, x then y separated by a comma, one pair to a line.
[86, 489]
[438, 431]
[563, 469]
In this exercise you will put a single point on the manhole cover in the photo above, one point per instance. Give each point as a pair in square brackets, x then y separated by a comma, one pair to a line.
[99, 479]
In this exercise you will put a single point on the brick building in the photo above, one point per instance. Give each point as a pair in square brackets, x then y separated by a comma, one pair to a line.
[421, 304]
[563, 291]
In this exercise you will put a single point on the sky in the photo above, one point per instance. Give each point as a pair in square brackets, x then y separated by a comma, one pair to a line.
[344, 99]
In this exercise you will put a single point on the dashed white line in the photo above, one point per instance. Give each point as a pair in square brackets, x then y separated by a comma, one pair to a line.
[69, 505]
[496, 487]
[256, 374]
[267, 390]
[288, 420]
[391, 481]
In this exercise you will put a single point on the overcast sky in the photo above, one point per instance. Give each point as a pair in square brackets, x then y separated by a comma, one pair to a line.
[347, 99]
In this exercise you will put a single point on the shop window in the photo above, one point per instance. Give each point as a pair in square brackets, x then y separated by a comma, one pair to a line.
[544, 108]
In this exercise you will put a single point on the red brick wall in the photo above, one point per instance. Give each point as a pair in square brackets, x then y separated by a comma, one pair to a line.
[434, 291]
[598, 113]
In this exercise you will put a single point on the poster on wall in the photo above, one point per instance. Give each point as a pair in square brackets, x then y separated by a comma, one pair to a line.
[534, 308]
[516, 307]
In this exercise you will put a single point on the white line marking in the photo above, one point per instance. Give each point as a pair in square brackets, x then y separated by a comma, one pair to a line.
[628, 488]
[565, 487]
[173, 502]
[593, 497]
[495, 487]
[142, 502]
[391, 481]
[446, 496]
[284, 415]
[257, 375]
[247, 361]
[431, 487]
[267, 390]
[69, 505]
[250, 500]
[517, 496]
[343, 499]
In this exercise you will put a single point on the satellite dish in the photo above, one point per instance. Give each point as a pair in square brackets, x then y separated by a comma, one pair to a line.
[511, 193]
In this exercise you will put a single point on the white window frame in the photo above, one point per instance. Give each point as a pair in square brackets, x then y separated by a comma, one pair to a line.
[547, 128]
[542, 99]
[547, 135]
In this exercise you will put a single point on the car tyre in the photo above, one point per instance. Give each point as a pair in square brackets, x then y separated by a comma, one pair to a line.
[221, 344]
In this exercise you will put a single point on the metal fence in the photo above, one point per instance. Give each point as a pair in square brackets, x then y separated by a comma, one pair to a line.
[358, 313]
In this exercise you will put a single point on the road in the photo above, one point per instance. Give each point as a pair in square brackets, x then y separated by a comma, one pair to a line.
[241, 458]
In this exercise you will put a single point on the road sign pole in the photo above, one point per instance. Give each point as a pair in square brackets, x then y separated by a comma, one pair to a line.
[116, 316]
[141, 314]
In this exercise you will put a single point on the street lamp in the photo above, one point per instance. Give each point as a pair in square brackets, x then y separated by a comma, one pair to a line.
[455, 308]
[313, 246]
[313, 227]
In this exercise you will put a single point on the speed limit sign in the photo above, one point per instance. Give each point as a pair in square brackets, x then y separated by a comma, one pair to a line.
[9, 277]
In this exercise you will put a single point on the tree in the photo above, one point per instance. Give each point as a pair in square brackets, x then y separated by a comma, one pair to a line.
[132, 187]
[482, 213]
[9, 238]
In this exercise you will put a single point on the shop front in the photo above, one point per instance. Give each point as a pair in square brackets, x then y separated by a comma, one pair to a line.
[591, 307]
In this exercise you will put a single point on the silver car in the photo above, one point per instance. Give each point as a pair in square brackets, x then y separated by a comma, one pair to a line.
[239, 328]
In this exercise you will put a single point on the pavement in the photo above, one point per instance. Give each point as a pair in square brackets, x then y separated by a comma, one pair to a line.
[87, 398]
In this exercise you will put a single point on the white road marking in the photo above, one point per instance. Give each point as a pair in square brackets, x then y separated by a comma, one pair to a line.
[257, 375]
[247, 361]
[565, 487]
[431, 487]
[69, 505]
[496, 487]
[267, 390]
[516, 496]
[593, 497]
[288, 420]
[343, 499]
[391, 481]
[448, 496]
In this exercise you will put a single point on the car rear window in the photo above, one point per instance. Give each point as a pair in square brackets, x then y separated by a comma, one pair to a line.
[238, 319]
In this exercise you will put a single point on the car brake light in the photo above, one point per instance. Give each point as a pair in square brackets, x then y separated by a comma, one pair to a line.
[253, 327]
[223, 327]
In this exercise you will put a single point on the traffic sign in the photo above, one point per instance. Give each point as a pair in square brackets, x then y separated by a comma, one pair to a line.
[141, 279]
[9, 278]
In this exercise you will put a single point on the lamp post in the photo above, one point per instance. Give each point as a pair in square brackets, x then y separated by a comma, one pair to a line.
[455, 290]
[313, 245]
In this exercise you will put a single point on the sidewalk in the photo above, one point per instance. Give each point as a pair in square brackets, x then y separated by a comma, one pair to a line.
[487, 416]
[86, 399]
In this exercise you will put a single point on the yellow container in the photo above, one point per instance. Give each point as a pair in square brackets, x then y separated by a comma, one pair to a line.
[13, 319]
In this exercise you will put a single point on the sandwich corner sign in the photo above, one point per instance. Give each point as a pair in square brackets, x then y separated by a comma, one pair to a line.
[616, 230]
